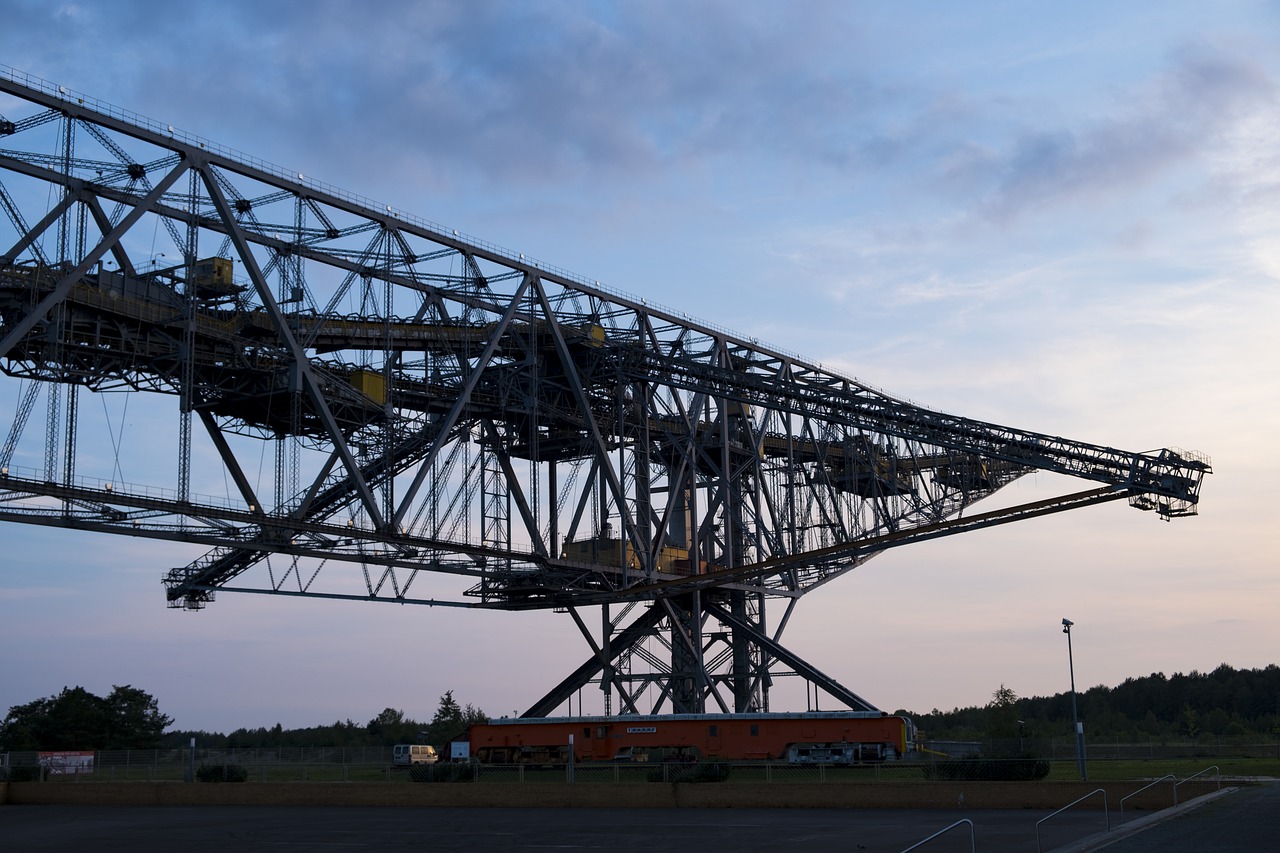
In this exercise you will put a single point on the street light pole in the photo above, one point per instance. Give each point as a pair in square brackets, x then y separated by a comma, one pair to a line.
[1075, 713]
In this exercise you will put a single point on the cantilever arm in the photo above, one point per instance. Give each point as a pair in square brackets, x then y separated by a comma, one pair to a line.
[861, 549]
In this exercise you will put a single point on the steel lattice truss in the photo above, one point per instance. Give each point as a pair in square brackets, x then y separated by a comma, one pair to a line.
[433, 406]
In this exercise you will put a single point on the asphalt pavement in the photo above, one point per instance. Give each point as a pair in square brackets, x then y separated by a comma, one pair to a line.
[1245, 819]
[144, 829]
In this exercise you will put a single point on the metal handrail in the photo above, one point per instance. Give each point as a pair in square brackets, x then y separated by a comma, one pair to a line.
[1201, 773]
[973, 842]
[1152, 785]
[1106, 812]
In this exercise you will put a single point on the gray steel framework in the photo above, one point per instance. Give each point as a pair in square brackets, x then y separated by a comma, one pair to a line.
[443, 413]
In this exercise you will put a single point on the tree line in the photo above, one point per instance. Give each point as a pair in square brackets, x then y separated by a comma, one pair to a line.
[389, 727]
[126, 718]
[1223, 703]
[1226, 702]
[129, 718]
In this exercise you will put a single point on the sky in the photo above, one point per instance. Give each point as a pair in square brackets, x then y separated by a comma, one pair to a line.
[1060, 217]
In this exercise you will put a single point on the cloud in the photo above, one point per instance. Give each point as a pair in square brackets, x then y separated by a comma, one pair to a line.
[525, 94]
[1179, 118]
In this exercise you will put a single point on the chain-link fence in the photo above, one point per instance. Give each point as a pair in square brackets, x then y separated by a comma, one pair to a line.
[1130, 749]
[283, 764]
[374, 764]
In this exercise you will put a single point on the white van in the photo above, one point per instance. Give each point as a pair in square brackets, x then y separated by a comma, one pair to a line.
[408, 754]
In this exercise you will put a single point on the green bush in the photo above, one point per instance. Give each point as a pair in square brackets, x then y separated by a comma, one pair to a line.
[222, 773]
[989, 770]
[460, 772]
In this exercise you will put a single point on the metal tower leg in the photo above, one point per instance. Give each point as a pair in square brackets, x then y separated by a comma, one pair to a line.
[802, 667]
[618, 644]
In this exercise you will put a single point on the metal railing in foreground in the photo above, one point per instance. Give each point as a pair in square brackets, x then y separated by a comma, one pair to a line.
[1164, 778]
[1201, 773]
[1105, 812]
[1176, 784]
[973, 842]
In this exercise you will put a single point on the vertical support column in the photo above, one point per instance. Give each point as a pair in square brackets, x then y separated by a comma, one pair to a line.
[686, 635]
[763, 681]
[495, 500]
[685, 668]
[53, 410]
[606, 659]
[553, 511]
[741, 654]
[642, 481]
[186, 352]
[69, 454]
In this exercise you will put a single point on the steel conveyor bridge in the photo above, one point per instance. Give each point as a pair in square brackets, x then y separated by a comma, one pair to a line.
[450, 423]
